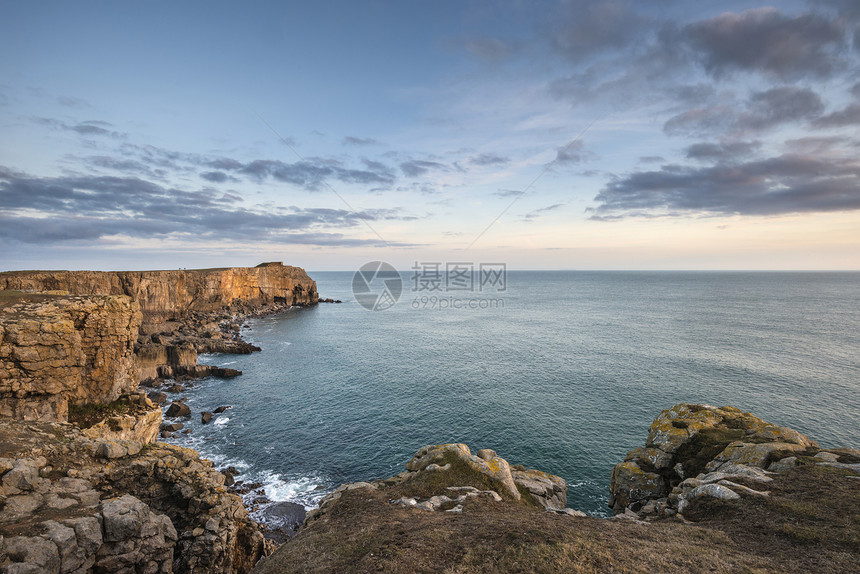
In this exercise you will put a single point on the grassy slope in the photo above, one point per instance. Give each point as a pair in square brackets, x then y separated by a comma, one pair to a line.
[811, 523]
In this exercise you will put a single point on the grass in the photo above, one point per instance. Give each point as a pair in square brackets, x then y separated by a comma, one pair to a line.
[809, 523]
[88, 415]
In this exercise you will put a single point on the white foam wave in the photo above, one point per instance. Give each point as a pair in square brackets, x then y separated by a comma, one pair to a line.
[221, 420]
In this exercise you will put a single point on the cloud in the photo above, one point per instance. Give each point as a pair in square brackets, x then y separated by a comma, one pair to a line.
[764, 40]
[572, 153]
[417, 167]
[534, 214]
[72, 102]
[763, 110]
[790, 183]
[847, 8]
[723, 151]
[652, 159]
[492, 49]
[224, 163]
[488, 159]
[124, 165]
[350, 140]
[215, 176]
[508, 193]
[85, 208]
[311, 174]
[585, 28]
[847, 116]
[88, 128]
[780, 105]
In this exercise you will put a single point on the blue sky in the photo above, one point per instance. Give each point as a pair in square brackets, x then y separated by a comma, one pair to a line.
[548, 135]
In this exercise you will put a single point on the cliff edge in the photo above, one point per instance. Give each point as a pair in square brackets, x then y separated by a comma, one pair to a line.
[57, 350]
[452, 511]
[165, 295]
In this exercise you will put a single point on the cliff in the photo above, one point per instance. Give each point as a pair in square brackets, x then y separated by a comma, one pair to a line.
[700, 501]
[165, 295]
[56, 350]
[71, 503]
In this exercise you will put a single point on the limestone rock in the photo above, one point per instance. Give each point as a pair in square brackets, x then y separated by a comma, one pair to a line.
[549, 490]
[630, 484]
[493, 466]
[751, 454]
[65, 349]
[691, 446]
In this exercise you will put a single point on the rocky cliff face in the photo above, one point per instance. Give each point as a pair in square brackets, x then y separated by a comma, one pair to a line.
[701, 451]
[69, 503]
[164, 295]
[56, 350]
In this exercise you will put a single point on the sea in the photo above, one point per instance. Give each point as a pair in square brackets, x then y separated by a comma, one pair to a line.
[561, 371]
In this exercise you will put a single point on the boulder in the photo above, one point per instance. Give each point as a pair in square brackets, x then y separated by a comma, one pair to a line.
[629, 484]
[178, 409]
[689, 442]
[205, 417]
[549, 490]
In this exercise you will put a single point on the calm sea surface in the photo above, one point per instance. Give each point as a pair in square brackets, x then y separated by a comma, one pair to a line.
[564, 375]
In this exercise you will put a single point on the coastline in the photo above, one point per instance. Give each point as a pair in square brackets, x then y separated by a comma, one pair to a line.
[655, 486]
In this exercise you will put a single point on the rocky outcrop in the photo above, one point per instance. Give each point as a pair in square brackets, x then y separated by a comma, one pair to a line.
[69, 503]
[166, 295]
[56, 350]
[701, 451]
[457, 477]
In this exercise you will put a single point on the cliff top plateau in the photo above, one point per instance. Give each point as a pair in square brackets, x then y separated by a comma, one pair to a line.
[757, 498]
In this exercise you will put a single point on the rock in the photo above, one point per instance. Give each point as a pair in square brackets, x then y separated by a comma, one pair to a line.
[286, 515]
[172, 427]
[141, 427]
[783, 464]
[690, 440]
[123, 517]
[175, 389]
[88, 533]
[549, 490]
[20, 505]
[750, 454]
[158, 398]
[827, 457]
[163, 295]
[178, 409]
[205, 417]
[486, 454]
[21, 477]
[220, 410]
[33, 551]
[717, 491]
[494, 467]
[62, 349]
[568, 512]
[630, 484]
[111, 449]
[71, 557]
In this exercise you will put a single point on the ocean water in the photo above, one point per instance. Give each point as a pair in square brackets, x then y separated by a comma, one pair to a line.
[563, 372]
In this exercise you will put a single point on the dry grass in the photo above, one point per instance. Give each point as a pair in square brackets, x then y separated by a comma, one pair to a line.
[809, 524]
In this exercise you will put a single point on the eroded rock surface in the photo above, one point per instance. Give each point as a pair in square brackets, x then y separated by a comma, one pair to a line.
[75, 504]
[701, 451]
[57, 350]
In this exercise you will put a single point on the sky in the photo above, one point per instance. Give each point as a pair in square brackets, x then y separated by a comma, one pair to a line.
[654, 134]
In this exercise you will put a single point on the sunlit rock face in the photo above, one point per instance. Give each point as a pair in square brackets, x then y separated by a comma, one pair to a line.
[164, 295]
